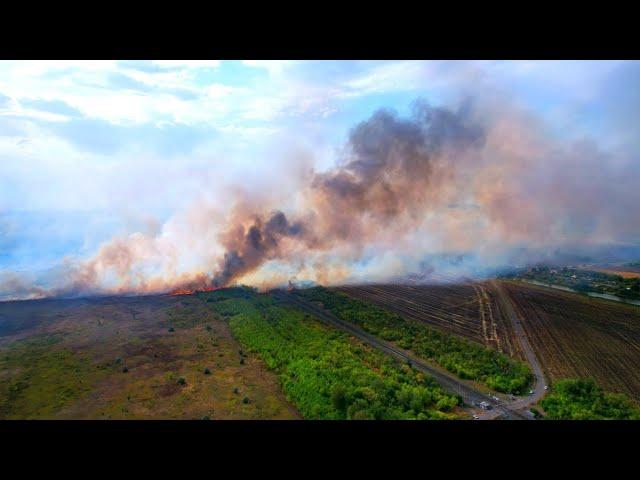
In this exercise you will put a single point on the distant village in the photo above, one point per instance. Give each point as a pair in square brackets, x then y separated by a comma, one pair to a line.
[581, 280]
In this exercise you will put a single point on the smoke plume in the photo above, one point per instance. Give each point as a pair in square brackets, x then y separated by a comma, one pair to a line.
[483, 184]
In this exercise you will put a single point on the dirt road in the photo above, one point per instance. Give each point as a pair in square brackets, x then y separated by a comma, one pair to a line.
[536, 368]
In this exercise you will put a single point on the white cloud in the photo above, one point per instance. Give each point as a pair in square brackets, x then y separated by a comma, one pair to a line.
[188, 63]
[217, 91]
[274, 67]
[407, 75]
[41, 67]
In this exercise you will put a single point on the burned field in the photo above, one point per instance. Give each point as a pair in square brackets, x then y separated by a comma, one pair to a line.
[468, 310]
[161, 357]
[578, 336]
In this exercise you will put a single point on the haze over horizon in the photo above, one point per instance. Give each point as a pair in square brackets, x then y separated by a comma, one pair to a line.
[130, 177]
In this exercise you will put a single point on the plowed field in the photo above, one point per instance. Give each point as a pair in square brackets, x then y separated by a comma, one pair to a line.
[469, 310]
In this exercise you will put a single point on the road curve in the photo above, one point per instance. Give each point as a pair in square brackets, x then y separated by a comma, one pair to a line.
[532, 359]
[447, 381]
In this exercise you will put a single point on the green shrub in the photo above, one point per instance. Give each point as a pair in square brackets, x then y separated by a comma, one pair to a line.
[325, 373]
[579, 399]
[462, 357]
[339, 399]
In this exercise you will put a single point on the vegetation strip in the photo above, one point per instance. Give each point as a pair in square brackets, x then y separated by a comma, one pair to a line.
[324, 372]
[467, 310]
[464, 358]
[469, 393]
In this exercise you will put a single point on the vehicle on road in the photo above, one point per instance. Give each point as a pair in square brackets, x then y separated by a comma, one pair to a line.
[546, 387]
[475, 417]
[530, 392]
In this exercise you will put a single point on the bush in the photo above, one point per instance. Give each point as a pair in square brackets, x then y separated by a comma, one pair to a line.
[323, 372]
[207, 371]
[171, 329]
[462, 357]
[339, 399]
[245, 400]
[579, 399]
[182, 382]
[536, 413]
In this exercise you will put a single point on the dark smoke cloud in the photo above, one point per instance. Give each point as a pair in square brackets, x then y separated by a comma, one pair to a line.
[491, 182]
[389, 170]
[385, 176]
[248, 249]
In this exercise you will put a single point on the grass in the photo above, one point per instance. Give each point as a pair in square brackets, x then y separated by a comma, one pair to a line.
[46, 379]
[466, 359]
[95, 359]
[325, 373]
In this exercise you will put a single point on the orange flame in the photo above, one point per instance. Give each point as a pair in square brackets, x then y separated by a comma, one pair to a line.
[187, 291]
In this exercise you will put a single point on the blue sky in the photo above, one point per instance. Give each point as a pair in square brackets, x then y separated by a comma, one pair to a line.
[89, 149]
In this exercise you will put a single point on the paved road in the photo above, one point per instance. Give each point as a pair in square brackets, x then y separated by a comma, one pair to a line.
[469, 394]
[540, 381]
